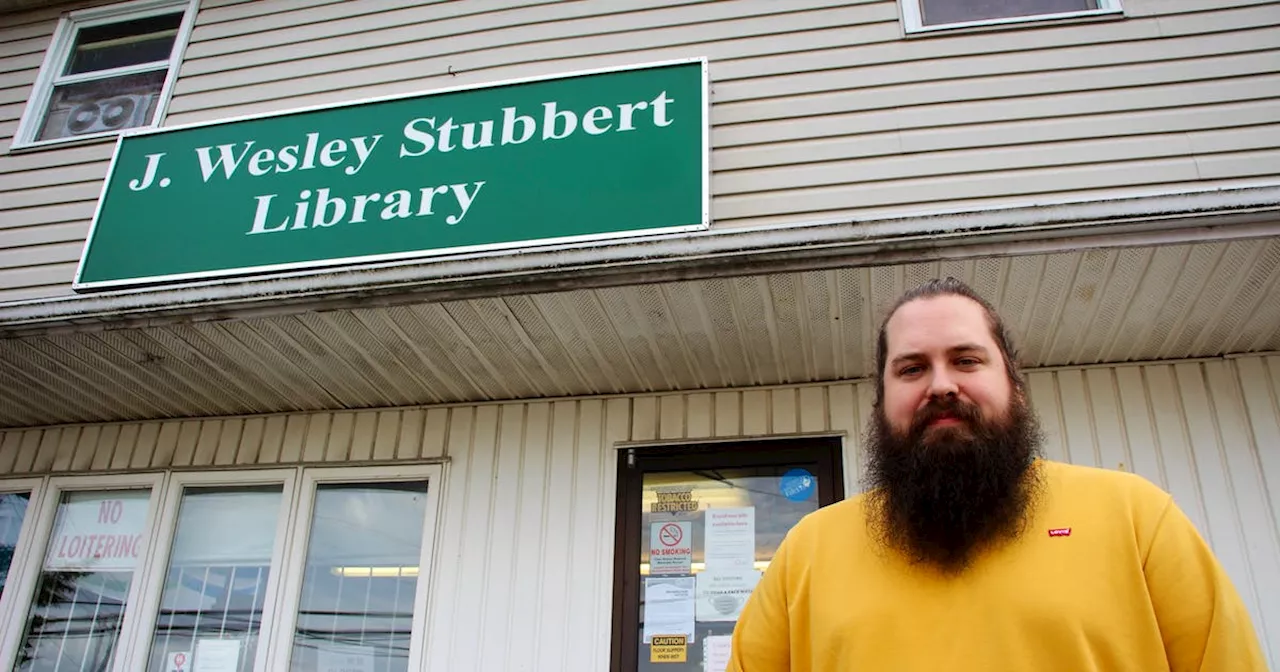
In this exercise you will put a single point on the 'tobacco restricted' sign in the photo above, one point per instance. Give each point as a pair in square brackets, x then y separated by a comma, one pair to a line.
[579, 157]
[671, 548]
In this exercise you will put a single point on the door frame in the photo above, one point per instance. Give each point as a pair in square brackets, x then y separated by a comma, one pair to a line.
[634, 461]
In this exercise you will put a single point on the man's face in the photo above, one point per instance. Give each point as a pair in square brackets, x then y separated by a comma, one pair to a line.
[942, 347]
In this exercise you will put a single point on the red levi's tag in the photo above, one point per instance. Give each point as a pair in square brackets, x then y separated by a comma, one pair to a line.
[1060, 532]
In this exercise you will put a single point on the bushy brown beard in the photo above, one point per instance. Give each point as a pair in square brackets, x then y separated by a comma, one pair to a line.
[941, 495]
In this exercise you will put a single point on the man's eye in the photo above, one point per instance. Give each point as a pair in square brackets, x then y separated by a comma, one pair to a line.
[968, 361]
[910, 370]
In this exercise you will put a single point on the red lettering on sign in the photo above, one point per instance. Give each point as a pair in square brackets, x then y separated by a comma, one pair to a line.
[1060, 532]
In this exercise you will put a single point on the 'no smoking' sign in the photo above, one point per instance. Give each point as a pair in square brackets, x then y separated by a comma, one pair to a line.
[670, 548]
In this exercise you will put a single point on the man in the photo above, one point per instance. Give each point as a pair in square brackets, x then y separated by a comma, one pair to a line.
[969, 552]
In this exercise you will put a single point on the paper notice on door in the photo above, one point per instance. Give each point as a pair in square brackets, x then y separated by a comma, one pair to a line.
[345, 658]
[715, 653]
[723, 593]
[731, 538]
[217, 655]
[668, 606]
[671, 548]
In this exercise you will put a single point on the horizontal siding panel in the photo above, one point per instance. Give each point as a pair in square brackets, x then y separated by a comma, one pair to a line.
[14, 183]
[38, 255]
[98, 153]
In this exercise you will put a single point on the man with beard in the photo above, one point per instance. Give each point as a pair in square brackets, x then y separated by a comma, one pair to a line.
[970, 552]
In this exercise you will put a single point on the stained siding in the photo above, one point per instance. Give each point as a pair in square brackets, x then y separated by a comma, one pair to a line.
[818, 112]
[525, 541]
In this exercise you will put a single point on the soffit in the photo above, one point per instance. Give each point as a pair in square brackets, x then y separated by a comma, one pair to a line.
[1079, 307]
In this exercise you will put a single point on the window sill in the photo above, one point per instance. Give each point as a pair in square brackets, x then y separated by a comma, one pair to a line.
[1036, 21]
[74, 141]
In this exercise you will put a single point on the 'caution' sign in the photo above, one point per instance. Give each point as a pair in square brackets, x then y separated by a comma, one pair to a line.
[668, 649]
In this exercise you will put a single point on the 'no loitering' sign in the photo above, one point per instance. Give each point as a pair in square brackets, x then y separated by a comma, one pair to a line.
[671, 548]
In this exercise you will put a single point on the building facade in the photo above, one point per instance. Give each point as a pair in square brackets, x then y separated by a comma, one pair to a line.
[544, 451]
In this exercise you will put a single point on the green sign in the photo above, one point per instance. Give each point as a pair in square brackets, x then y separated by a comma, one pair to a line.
[548, 161]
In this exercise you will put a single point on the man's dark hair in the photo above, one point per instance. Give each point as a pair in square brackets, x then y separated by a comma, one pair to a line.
[949, 287]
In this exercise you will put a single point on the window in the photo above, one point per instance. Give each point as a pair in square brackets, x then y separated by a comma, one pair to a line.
[933, 15]
[13, 510]
[235, 571]
[107, 69]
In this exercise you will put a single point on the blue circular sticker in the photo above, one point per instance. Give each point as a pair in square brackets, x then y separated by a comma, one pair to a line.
[798, 485]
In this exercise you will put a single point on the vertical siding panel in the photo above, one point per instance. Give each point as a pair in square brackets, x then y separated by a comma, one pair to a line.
[728, 419]
[1207, 453]
[588, 556]
[527, 608]
[1248, 492]
[144, 448]
[699, 419]
[86, 449]
[447, 572]
[1043, 389]
[866, 391]
[124, 446]
[250, 441]
[228, 441]
[207, 443]
[755, 413]
[1105, 410]
[27, 451]
[363, 434]
[295, 435]
[409, 444]
[783, 407]
[844, 418]
[557, 640]
[66, 450]
[1136, 409]
[106, 447]
[616, 413]
[813, 409]
[384, 446]
[644, 419]
[671, 416]
[435, 430]
[47, 450]
[272, 439]
[338, 447]
[476, 543]
[166, 444]
[500, 561]
[1076, 419]
[1175, 451]
[1262, 402]
[10, 442]
[317, 437]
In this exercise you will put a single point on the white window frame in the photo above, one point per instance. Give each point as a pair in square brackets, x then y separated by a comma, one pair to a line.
[34, 487]
[282, 643]
[59, 51]
[157, 565]
[45, 513]
[913, 18]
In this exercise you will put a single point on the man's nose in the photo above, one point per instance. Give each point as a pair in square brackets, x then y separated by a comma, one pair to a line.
[941, 384]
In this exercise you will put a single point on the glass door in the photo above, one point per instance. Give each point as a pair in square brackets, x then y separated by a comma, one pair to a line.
[697, 526]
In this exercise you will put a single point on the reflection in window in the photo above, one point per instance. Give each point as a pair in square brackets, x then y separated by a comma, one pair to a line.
[76, 614]
[216, 585]
[356, 608]
[13, 508]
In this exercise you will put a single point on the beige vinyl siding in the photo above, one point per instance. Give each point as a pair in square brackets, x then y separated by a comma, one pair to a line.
[527, 519]
[818, 112]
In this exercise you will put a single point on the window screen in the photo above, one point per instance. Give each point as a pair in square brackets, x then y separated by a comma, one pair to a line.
[939, 12]
[78, 608]
[361, 575]
[216, 583]
[13, 508]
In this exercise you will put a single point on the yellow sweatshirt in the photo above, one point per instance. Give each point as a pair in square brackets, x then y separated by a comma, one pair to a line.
[1110, 575]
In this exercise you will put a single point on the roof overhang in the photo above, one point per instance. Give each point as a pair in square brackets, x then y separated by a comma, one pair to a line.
[1186, 275]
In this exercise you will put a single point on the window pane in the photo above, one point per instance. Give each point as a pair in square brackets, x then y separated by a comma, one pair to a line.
[938, 12]
[13, 508]
[111, 104]
[75, 617]
[356, 609]
[216, 584]
[116, 45]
